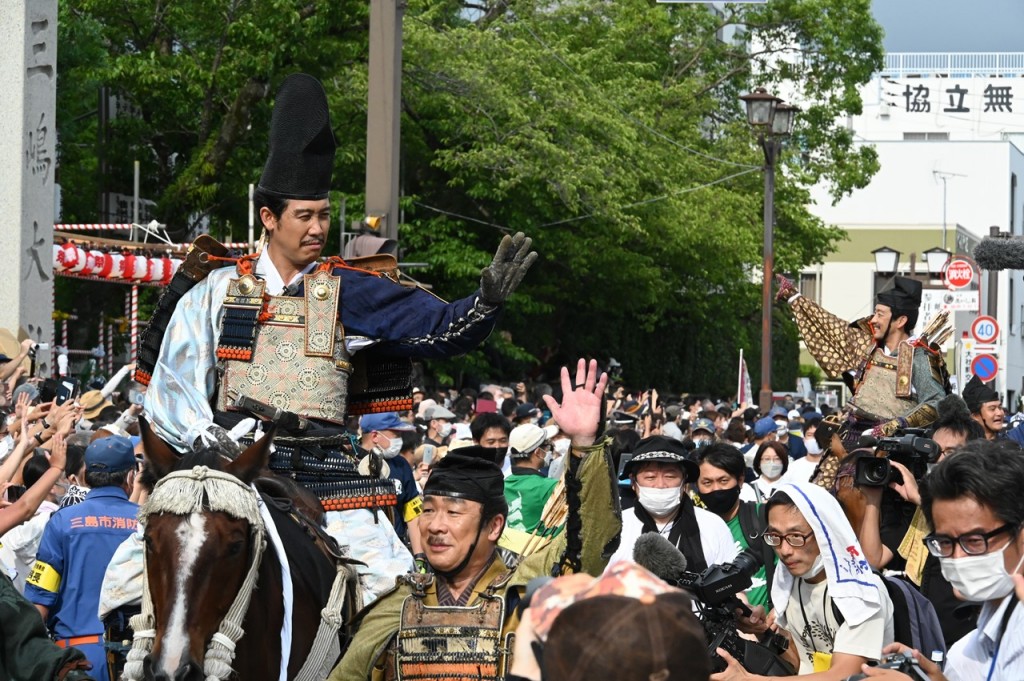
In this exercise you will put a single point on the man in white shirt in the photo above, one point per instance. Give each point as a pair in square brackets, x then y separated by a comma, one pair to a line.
[972, 499]
[657, 472]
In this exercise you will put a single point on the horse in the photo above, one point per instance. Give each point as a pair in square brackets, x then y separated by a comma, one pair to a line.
[213, 596]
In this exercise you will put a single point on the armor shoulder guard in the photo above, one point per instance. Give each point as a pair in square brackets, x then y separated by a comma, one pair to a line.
[196, 266]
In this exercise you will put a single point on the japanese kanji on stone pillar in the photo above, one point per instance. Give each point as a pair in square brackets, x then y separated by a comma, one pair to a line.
[28, 157]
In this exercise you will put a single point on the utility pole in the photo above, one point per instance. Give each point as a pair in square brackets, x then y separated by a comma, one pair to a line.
[383, 113]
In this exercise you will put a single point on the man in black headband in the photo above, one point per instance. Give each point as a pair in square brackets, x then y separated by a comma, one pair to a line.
[897, 380]
[985, 407]
[460, 617]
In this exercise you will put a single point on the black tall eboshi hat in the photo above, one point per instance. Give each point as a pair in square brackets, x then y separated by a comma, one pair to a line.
[302, 144]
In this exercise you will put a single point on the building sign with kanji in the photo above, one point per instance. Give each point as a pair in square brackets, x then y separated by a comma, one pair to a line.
[967, 97]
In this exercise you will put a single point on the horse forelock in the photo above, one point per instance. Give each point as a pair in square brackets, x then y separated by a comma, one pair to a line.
[202, 489]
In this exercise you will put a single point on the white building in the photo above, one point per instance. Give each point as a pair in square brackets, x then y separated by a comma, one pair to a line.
[949, 132]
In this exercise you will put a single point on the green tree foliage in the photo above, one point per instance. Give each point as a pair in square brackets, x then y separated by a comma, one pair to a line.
[608, 131]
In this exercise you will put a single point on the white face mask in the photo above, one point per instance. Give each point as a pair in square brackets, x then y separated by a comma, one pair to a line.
[771, 469]
[445, 430]
[980, 578]
[393, 448]
[812, 446]
[816, 567]
[562, 446]
[659, 501]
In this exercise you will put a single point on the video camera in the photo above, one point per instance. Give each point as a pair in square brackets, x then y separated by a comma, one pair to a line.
[901, 662]
[716, 589]
[909, 448]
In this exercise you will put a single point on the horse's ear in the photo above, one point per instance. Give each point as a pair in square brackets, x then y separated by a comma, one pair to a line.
[160, 458]
[247, 465]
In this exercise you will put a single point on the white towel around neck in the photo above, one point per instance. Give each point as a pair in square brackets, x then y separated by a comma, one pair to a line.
[851, 583]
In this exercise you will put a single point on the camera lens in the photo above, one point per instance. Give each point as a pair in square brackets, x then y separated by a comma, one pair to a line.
[748, 563]
[876, 471]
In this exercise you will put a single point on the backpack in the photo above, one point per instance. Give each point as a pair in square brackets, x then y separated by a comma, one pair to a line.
[914, 621]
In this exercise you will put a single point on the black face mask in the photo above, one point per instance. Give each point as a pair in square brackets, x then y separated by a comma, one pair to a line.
[721, 501]
[498, 454]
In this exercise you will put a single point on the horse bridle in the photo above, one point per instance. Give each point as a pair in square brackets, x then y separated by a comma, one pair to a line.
[193, 491]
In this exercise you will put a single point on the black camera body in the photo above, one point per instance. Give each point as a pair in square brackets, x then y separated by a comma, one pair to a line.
[715, 589]
[909, 448]
[901, 662]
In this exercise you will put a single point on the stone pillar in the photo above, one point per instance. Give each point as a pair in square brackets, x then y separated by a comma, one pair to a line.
[28, 160]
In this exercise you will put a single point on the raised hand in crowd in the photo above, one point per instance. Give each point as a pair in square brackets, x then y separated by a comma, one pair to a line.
[579, 414]
[908, 489]
[25, 507]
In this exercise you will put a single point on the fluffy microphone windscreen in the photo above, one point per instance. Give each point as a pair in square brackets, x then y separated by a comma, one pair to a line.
[655, 553]
[1000, 254]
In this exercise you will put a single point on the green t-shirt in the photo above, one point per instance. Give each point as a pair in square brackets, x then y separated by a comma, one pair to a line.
[758, 593]
[526, 496]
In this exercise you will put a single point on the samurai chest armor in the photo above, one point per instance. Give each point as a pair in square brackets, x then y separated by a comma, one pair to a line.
[884, 392]
[287, 352]
[451, 643]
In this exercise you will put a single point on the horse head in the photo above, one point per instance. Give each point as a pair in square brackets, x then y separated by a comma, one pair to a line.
[203, 542]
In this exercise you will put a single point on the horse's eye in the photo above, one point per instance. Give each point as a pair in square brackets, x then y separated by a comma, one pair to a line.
[234, 548]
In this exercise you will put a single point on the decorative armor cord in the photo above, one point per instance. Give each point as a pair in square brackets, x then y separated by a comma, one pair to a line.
[183, 493]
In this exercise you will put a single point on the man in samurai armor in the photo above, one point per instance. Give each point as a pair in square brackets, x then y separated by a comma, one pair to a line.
[897, 379]
[458, 621]
[305, 341]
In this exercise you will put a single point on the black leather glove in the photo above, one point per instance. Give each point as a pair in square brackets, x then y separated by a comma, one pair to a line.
[511, 262]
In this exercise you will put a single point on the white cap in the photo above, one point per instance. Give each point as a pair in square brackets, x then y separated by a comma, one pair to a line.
[524, 439]
[793, 414]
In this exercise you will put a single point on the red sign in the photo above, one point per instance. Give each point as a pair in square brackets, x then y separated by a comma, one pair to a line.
[985, 367]
[959, 274]
[985, 329]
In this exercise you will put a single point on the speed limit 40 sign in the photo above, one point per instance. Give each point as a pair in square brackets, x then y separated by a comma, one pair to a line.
[985, 329]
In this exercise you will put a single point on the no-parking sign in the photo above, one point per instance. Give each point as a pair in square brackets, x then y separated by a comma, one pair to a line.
[985, 367]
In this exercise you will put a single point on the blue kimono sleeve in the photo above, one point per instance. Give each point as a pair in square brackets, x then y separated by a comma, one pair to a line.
[411, 322]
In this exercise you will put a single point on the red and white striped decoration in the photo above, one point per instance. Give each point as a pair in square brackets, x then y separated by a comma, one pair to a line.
[92, 227]
[134, 317]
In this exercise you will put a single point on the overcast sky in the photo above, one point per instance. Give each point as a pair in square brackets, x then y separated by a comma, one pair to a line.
[951, 25]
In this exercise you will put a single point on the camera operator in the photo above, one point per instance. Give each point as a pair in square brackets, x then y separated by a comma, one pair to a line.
[834, 609]
[719, 485]
[953, 428]
[972, 499]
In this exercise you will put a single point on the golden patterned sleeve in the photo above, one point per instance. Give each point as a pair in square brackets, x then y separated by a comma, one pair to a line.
[837, 346]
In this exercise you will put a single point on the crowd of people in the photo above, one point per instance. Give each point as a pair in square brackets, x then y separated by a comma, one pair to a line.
[537, 531]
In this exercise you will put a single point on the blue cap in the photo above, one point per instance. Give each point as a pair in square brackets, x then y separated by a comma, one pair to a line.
[778, 410]
[112, 454]
[387, 421]
[764, 426]
[703, 424]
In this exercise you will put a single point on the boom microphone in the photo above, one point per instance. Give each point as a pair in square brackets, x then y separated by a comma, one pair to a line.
[655, 553]
[997, 253]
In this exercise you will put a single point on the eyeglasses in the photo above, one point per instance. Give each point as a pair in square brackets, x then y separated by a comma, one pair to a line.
[794, 539]
[973, 543]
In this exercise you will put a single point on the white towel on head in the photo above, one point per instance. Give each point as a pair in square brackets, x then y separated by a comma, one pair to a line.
[855, 589]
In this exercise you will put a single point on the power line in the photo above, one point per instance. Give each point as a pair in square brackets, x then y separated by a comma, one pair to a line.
[687, 190]
[502, 228]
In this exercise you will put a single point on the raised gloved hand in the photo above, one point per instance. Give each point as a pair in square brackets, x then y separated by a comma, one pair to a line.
[511, 262]
[786, 288]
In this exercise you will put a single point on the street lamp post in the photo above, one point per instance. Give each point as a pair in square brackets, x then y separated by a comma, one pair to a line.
[772, 119]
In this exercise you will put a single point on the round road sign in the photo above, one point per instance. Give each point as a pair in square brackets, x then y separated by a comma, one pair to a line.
[985, 367]
[985, 329]
[959, 274]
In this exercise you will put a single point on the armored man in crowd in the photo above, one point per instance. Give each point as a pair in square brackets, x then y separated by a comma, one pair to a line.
[302, 340]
